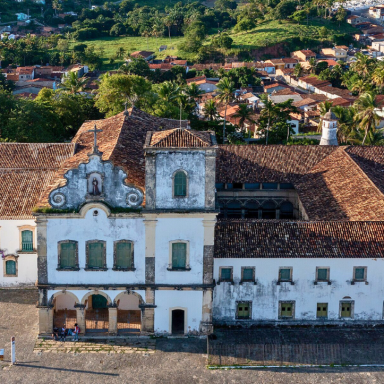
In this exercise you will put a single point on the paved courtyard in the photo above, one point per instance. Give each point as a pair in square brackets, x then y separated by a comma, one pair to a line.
[160, 361]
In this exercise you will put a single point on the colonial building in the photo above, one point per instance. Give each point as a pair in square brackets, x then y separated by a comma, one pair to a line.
[149, 227]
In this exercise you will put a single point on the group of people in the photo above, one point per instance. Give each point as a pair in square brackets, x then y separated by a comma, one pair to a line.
[62, 333]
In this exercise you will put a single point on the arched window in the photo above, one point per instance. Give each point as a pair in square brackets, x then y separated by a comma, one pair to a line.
[180, 184]
[26, 241]
[68, 254]
[286, 210]
[252, 210]
[269, 210]
[234, 210]
[123, 255]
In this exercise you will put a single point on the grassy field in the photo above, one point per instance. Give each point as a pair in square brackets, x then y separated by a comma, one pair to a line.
[265, 34]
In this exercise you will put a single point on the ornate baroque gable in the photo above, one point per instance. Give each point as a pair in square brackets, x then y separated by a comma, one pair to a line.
[96, 180]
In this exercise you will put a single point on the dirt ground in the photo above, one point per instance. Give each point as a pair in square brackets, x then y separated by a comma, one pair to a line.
[174, 361]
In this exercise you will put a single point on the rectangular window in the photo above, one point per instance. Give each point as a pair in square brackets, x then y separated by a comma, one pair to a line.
[96, 255]
[322, 310]
[285, 274]
[123, 255]
[359, 273]
[269, 185]
[286, 309]
[237, 186]
[252, 185]
[243, 310]
[27, 241]
[322, 274]
[226, 274]
[345, 309]
[180, 184]
[248, 274]
[219, 186]
[179, 255]
[229, 186]
[10, 267]
[287, 185]
[67, 255]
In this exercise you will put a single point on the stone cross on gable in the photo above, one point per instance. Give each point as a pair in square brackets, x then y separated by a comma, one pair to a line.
[95, 130]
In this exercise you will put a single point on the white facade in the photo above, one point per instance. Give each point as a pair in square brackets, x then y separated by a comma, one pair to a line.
[10, 245]
[367, 297]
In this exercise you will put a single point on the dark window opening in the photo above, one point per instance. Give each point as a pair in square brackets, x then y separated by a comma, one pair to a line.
[220, 186]
[286, 210]
[268, 211]
[229, 186]
[252, 185]
[269, 185]
[286, 186]
[252, 210]
[237, 185]
[234, 210]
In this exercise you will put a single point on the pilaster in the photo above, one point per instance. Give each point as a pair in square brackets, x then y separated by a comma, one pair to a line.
[206, 326]
[45, 321]
[150, 180]
[209, 239]
[210, 177]
[80, 318]
[150, 245]
[112, 312]
[42, 267]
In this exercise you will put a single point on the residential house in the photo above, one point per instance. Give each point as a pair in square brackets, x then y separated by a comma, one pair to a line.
[353, 19]
[146, 55]
[303, 55]
[337, 52]
[206, 85]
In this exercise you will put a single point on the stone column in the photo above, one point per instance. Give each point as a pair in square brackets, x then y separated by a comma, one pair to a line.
[42, 268]
[148, 312]
[80, 317]
[210, 176]
[206, 326]
[112, 312]
[45, 320]
[150, 180]
[150, 245]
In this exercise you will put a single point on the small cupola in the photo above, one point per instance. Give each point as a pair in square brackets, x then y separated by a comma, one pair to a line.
[329, 129]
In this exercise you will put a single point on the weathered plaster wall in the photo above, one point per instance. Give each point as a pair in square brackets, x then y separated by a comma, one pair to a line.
[191, 162]
[10, 244]
[266, 294]
[184, 228]
[96, 228]
[190, 300]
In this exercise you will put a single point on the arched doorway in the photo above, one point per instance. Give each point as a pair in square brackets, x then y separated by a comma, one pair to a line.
[128, 313]
[178, 322]
[64, 311]
[96, 313]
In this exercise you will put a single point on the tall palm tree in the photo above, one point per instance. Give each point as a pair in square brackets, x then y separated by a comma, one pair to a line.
[167, 90]
[269, 111]
[378, 78]
[366, 116]
[346, 127]
[312, 65]
[360, 86]
[73, 84]
[210, 110]
[363, 65]
[244, 114]
[193, 91]
[120, 52]
[225, 90]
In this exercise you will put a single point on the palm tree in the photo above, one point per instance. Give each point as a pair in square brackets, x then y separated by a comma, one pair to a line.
[225, 90]
[269, 111]
[169, 20]
[366, 116]
[73, 84]
[363, 65]
[346, 127]
[193, 91]
[167, 90]
[324, 108]
[378, 78]
[360, 86]
[312, 65]
[120, 52]
[210, 110]
[244, 114]
[298, 70]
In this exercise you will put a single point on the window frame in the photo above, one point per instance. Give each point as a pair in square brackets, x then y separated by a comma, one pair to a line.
[10, 258]
[352, 304]
[59, 267]
[87, 268]
[244, 302]
[23, 228]
[225, 281]
[186, 186]
[328, 280]
[364, 280]
[187, 264]
[293, 304]
[279, 281]
[253, 280]
[115, 267]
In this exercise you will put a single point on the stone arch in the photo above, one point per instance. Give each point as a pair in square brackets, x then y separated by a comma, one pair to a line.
[87, 295]
[129, 314]
[64, 292]
[64, 313]
[121, 294]
[86, 207]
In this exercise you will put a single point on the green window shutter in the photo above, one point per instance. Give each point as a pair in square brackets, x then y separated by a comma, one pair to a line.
[26, 241]
[225, 274]
[322, 274]
[247, 274]
[10, 267]
[359, 273]
[96, 255]
[179, 255]
[123, 255]
[68, 255]
[180, 184]
[285, 274]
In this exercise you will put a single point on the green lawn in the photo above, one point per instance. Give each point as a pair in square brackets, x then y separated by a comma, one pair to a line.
[266, 33]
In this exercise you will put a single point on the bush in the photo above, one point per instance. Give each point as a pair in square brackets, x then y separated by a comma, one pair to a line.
[244, 25]
[223, 41]
[117, 30]
[86, 33]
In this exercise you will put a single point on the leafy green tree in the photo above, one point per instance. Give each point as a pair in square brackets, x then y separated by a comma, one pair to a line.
[137, 66]
[73, 84]
[223, 41]
[298, 70]
[117, 30]
[341, 14]
[244, 114]
[244, 25]
[210, 110]
[284, 9]
[225, 90]
[120, 52]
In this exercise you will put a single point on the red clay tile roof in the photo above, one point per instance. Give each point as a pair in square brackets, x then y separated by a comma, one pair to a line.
[271, 239]
[25, 172]
[121, 142]
[180, 138]
[304, 102]
[143, 54]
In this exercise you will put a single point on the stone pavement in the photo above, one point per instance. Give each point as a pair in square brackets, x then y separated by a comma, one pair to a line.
[96, 346]
[175, 360]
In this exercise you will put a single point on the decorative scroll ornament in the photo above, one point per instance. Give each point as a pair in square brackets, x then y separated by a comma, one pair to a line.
[58, 200]
[134, 198]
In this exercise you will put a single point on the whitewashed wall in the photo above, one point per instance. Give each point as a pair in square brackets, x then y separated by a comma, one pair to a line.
[194, 164]
[192, 301]
[96, 228]
[10, 244]
[172, 229]
[266, 294]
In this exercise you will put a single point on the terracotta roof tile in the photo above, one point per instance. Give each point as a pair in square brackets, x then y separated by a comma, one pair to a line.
[271, 239]
[180, 138]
